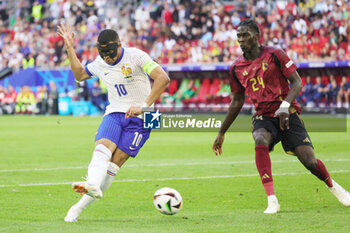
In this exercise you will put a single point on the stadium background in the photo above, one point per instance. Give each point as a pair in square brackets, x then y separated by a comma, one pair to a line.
[195, 41]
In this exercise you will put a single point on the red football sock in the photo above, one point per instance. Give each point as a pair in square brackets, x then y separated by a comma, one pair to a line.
[321, 172]
[263, 164]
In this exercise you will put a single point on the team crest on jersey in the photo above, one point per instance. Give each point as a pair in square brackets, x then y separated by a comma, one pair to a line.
[264, 65]
[126, 71]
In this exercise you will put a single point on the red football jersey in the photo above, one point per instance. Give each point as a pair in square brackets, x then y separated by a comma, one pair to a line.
[264, 80]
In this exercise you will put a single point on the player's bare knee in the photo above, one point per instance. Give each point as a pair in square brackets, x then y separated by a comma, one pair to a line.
[120, 157]
[260, 139]
[306, 156]
[107, 143]
[310, 164]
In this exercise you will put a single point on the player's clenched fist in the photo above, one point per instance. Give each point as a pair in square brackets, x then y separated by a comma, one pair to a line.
[217, 146]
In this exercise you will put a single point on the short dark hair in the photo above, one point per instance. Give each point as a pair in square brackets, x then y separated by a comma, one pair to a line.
[107, 36]
[251, 23]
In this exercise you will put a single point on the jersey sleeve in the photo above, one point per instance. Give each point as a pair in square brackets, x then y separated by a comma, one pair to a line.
[286, 64]
[235, 85]
[143, 60]
[92, 69]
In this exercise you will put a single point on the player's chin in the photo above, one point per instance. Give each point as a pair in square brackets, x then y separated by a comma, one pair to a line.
[109, 61]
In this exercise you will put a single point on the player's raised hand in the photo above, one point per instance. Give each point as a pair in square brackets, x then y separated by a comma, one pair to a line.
[217, 146]
[67, 35]
[133, 111]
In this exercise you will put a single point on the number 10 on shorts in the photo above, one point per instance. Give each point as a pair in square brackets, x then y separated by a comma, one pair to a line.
[137, 139]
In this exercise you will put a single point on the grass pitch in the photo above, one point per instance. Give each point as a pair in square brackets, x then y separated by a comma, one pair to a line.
[41, 156]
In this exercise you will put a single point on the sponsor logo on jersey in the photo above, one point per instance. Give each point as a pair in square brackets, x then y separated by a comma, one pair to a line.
[126, 71]
[264, 65]
[151, 120]
[245, 73]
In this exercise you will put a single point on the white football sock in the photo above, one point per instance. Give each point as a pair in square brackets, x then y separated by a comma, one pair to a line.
[99, 164]
[84, 201]
[111, 172]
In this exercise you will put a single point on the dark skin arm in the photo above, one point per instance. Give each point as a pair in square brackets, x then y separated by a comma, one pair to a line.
[234, 109]
[294, 91]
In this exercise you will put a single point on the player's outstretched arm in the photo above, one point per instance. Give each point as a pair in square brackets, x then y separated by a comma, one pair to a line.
[233, 111]
[161, 81]
[68, 36]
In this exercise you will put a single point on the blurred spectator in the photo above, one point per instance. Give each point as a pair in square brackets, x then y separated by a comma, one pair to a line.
[319, 91]
[2, 97]
[25, 101]
[344, 93]
[308, 92]
[332, 91]
[52, 101]
[9, 101]
[96, 96]
[42, 97]
[223, 96]
[190, 91]
[83, 91]
[28, 61]
[37, 11]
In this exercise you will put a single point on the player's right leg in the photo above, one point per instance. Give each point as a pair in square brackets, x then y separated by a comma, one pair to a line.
[263, 138]
[74, 212]
[100, 168]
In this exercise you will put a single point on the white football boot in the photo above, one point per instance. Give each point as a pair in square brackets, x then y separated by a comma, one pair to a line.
[86, 188]
[73, 214]
[340, 193]
[272, 205]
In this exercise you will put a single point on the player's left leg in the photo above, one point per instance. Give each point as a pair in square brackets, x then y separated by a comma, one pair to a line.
[296, 140]
[118, 159]
[306, 156]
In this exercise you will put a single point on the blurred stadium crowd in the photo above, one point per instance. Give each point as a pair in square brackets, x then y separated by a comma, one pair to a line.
[179, 31]
[176, 31]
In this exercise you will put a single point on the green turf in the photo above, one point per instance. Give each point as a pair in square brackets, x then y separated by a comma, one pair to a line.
[221, 194]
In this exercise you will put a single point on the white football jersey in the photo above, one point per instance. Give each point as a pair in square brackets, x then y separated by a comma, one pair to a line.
[126, 81]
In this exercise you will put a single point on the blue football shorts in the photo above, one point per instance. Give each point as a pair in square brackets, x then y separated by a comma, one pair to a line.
[128, 134]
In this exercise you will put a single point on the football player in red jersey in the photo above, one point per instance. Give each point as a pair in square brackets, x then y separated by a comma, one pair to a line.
[264, 73]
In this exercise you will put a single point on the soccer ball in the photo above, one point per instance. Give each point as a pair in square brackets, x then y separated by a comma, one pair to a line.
[167, 201]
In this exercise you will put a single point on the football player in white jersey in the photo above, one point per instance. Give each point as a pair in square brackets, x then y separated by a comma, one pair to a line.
[121, 134]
